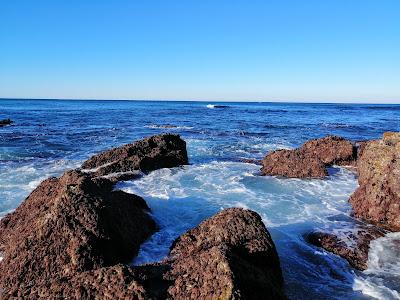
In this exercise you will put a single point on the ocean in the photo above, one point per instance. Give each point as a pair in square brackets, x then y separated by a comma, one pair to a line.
[51, 136]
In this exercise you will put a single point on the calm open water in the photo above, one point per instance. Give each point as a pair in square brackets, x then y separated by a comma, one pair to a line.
[49, 137]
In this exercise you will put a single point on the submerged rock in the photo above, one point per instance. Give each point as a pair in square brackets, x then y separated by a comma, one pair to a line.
[155, 152]
[352, 245]
[250, 161]
[228, 256]
[5, 122]
[68, 225]
[311, 159]
[377, 199]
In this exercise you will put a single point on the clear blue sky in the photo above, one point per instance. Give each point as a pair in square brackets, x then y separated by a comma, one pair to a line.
[305, 50]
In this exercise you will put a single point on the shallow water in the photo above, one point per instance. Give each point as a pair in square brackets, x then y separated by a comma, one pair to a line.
[49, 137]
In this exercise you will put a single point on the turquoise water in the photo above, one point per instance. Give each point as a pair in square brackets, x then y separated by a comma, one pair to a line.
[49, 137]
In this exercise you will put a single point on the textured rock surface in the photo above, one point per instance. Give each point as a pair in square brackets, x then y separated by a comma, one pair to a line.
[155, 152]
[228, 256]
[352, 245]
[311, 159]
[377, 199]
[67, 225]
[116, 282]
[293, 163]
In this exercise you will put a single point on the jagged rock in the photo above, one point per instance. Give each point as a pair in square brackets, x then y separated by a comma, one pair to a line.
[352, 245]
[377, 199]
[311, 159]
[294, 164]
[69, 225]
[228, 256]
[116, 282]
[155, 152]
[331, 150]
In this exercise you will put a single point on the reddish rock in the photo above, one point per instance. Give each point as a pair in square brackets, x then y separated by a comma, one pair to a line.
[331, 150]
[155, 152]
[228, 256]
[352, 245]
[116, 282]
[311, 159]
[377, 199]
[68, 225]
[294, 164]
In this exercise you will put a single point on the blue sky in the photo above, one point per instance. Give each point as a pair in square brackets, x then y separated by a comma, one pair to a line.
[330, 50]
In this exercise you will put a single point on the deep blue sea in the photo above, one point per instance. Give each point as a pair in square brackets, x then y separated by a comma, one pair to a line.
[51, 136]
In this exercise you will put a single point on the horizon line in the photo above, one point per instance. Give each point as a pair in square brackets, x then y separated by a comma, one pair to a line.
[382, 102]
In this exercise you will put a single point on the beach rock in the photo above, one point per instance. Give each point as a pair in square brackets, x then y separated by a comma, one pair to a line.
[116, 282]
[331, 150]
[311, 159]
[5, 122]
[67, 225]
[293, 164]
[377, 199]
[228, 256]
[352, 245]
[155, 152]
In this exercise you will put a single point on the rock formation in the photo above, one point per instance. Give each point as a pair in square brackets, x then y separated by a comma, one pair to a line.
[228, 256]
[155, 152]
[311, 159]
[377, 199]
[68, 225]
[73, 236]
[294, 164]
[352, 245]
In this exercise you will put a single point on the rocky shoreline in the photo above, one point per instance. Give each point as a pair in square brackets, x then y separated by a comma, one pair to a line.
[75, 236]
[375, 203]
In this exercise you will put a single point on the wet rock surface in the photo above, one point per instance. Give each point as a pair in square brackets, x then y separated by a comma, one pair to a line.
[68, 225]
[5, 122]
[155, 152]
[352, 245]
[228, 256]
[311, 159]
[377, 199]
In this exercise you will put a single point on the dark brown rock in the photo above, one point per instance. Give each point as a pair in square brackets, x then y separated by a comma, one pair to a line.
[294, 164]
[155, 152]
[377, 199]
[311, 159]
[352, 245]
[68, 225]
[228, 256]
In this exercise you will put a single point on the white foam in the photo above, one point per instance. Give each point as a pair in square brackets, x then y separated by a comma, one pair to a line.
[175, 195]
[382, 278]
[375, 288]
